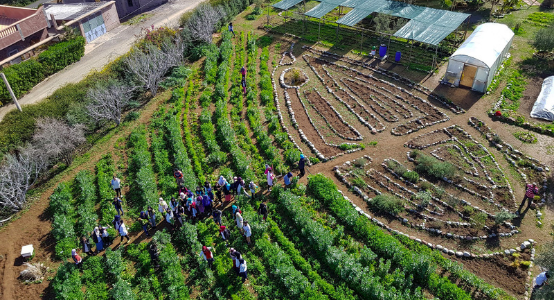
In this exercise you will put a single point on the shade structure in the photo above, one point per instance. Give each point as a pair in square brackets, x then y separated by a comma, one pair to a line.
[427, 25]
[476, 61]
[544, 106]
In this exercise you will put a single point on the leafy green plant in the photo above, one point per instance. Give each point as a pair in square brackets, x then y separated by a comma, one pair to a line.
[411, 176]
[429, 165]
[503, 216]
[424, 198]
[387, 203]
[526, 137]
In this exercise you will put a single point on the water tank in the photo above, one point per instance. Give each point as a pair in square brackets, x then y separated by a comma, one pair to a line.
[382, 50]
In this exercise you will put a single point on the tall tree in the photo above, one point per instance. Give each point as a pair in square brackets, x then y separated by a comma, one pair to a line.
[108, 99]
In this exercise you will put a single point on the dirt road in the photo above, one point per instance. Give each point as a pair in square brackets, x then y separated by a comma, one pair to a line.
[104, 50]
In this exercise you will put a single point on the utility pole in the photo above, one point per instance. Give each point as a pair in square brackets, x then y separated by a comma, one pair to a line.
[10, 90]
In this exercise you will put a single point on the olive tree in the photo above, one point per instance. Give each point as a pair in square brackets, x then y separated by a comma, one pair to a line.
[202, 24]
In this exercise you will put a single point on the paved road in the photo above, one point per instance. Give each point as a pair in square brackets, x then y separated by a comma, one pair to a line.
[104, 50]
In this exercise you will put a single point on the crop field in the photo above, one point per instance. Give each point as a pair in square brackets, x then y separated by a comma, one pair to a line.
[407, 195]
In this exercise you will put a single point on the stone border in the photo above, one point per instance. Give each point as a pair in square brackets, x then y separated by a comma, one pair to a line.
[286, 86]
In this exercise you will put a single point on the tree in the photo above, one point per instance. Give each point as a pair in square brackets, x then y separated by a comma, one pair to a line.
[57, 140]
[18, 173]
[202, 23]
[544, 39]
[149, 66]
[108, 99]
[545, 259]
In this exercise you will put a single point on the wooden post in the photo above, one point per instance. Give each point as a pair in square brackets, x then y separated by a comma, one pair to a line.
[10, 90]
[362, 43]
[319, 31]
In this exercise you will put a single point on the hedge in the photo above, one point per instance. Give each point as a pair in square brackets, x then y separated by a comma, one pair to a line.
[25, 75]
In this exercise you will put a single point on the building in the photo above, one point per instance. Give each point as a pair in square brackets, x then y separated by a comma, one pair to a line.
[476, 61]
[127, 8]
[21, 28]
[92, 19]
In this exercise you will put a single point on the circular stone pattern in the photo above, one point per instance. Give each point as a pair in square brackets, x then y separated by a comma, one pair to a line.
[293, 78]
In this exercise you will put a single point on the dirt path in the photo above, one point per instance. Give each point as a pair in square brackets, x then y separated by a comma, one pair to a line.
[104, 50]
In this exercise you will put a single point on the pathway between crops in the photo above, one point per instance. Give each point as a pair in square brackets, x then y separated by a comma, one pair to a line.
[104, 50]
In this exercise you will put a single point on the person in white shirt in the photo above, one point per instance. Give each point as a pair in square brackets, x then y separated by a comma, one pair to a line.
[247, 231]
[123, 232]
[168, 218]
[239, 219]
[162, 206]
[540, 281]
[116, 186]
[243, 270]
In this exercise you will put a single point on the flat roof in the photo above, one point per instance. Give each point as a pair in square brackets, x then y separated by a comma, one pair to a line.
[70, 11]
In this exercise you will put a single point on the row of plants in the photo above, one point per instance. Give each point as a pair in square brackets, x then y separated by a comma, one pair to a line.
[421, 268]
[171, 277]
[162, 165]
[216, 157]
[62, 208]
[86, 198]
[25, 75]
[104, 172]
[143, 192]
[361, 273]
[513, 91]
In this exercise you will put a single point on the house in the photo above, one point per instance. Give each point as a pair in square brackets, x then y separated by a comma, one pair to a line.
[92, 19]
[127, 8]
[21, 28]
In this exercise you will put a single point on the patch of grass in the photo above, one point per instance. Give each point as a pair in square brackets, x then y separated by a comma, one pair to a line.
[526, 137]
[541, 18]
[513, 91]
[138, 19]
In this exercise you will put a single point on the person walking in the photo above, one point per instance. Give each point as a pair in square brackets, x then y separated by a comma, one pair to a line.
[270, 178]
[246, 231]
[208, 255]
[200, 206]
[123, 232]
[224, 232]
[207, 203]
[178, 177]
[169, 219]
[87, 247]
[105, 235]
[243, 270]
[193, 210]
[302, 165]
[231, 29]
[243, 72]
[216, 214]
[180, 217]
[243, 84]
[115, 222]
[531, 191]
[233, 255]
[151, 216]
[234, 209]
[116, 186]
[262, 210]
[227, 191]
[162, 206]
[97, 239]
[117, 203]
[76, 258]
[144, 223]
[288, 179]
[173, 204]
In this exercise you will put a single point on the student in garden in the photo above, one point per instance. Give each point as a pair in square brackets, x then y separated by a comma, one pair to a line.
[105, 235]
[117, 204]
[227, 191]
[173, 205]
[234, 209]
[231, 29]
[253, 188]
[531, 191]
[178, 176]
[222, 181]
[243, 72]
[247, 231]
[262, 210]
[116, 186]
[239, 219]
[207, 203]
[234, 186]
[193, 209]
[233, 254]
[162, 206]
[200, 206]
[115, 222]
[288, 179]
[97, 239]
[207, 187]
[208, 255]
[152, 216]
[144, 223]
[243, 270]
[218, 192]
[540, 281]
[217, 216]
[180, 217]
[87, 247]
[224, 232]
[123, 232]
[302, 164]
[243, 84]
[169, 218]
[270, 178]
[76, 258]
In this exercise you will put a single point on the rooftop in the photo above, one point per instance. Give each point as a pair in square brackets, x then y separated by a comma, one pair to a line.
[68, 12]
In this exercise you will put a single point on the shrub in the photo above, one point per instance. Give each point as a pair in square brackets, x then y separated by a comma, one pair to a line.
[479, 220]
[396, 167]
[387, 203]
[424, 198]
[360, 162]
[434, 167]
[62, 55]
[411, 176]
[502, 217]
[544, 39]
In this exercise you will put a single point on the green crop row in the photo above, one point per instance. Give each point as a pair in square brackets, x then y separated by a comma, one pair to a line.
[63, 222]
[143, 185]
[196, 161]
[86, 191]
[207, 130]
[359, 272]
[210, 64]
[422, 268]
[104, 172]
[171, 277]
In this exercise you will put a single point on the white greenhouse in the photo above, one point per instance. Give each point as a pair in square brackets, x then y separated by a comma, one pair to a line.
[544, 106]
[474, 64]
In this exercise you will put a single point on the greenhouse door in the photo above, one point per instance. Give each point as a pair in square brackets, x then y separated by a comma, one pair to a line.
[468, 76]
[94, 27]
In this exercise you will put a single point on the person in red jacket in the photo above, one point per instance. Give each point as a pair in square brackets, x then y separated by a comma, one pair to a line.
[76, 258]
[530, 191]
[178, 177]
[207, 255]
